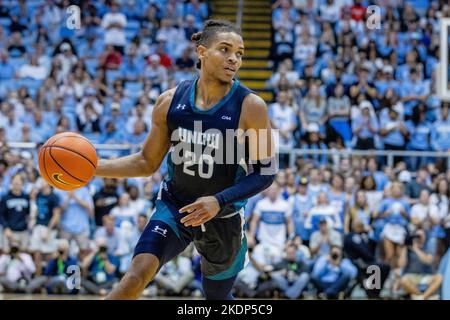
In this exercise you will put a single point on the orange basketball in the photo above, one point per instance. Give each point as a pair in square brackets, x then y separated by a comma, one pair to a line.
[67, 161]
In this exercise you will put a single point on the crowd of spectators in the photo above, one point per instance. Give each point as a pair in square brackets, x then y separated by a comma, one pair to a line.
[315, 232]
[343, 81]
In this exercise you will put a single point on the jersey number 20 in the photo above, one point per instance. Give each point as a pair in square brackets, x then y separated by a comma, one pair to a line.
[191, 161]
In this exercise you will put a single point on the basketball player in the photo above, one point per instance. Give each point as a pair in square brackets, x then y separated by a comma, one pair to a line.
[201, 200]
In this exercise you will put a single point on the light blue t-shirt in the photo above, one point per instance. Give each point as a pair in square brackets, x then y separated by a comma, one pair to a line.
[395, 205]
[419, 135]
[75, 218]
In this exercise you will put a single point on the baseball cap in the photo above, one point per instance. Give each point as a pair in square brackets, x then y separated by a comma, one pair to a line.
[303, 181]
[365, 105]
[115, 106]
[161, 37]
[155, 58]
[65, 46]
[313, 127]
[404, 176]
[388, 69]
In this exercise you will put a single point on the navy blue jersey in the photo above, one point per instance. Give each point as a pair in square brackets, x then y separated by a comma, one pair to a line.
[46, 203]
[203, 159]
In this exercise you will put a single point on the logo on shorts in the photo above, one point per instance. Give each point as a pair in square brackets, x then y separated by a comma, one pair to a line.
[181, 106]
[161, 231]
[57, 178]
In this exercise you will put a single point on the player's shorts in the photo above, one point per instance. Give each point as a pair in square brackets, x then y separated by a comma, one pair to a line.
[222, 244]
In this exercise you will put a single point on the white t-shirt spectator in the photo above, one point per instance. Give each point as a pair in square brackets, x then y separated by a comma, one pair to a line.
[114, 36]
[329, 212]
[34, 72]
[138, 205]
[421, 212]
[124, 213]
[15, 269]
[272, 224]
[283, 117]
[67, 63]
[330, 13]
[374, 198]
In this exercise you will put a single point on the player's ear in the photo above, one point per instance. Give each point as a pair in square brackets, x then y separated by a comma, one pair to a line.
[201, 51]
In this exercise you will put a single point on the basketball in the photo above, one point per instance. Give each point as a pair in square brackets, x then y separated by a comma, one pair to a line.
[67, 161]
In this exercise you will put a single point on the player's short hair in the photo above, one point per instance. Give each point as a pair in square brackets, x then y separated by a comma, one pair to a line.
[210, 29]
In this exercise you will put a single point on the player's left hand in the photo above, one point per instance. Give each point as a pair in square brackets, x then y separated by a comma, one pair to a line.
[200, 211]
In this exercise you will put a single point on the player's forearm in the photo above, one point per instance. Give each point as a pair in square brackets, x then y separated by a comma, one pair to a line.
[246, 188]
[134, 165]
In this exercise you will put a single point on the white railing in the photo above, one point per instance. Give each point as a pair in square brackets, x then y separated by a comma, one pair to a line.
[389, 154]
[293, 153]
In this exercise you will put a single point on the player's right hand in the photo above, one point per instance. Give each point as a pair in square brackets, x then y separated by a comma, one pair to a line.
[201, 211]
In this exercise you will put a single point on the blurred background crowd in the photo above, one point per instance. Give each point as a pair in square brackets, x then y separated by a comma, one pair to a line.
[337, 83]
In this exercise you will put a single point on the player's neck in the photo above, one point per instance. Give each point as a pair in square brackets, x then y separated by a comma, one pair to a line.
[210, 92]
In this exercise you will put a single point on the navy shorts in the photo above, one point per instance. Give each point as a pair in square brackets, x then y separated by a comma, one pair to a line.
[222, 245]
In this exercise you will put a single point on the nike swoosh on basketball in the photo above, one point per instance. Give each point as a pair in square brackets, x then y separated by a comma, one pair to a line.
[57, 177]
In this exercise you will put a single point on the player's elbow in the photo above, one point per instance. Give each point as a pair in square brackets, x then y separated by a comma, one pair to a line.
[146, 165]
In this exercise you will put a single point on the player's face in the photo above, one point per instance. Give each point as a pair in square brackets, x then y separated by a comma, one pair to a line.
[223, 57]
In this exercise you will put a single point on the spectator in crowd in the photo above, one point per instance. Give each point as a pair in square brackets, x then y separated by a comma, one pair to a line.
[393, 131]
[290, 275]
[33, 70]
[323, 209]
[394, 210]
[419, 130]
[76, 210]
[440, 133]
[332, 274]
[16, 269]
[110, 59]
[323, 239]
[101, 269]
[43, 239]
[105, 199]
[415, 187]
[360, 211]
[372, 195]
[124, 211]
[59, 269]
[14, 214]
[272, 218]
[313, 109]
[114, 23]
[365, 127]
[424, 214]
[301, 204]
[175, 276]
[128, 238]
[283, 117]
[418, 279]
[110, 233]
[338, 112]
[315, 185]
[360, 249]
[313, 141]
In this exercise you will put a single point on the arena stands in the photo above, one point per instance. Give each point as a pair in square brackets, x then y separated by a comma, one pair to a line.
[337, 84]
